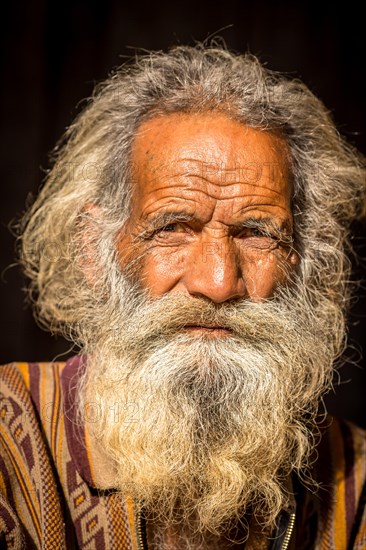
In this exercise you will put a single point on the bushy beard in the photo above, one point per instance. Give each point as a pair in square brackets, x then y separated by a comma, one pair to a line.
[203, 428]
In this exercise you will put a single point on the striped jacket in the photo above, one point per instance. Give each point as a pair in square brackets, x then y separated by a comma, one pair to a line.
[57, 493]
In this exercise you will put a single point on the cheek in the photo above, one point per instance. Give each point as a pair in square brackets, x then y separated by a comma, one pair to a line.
[265, 274]
[161, 269]
[156, 269]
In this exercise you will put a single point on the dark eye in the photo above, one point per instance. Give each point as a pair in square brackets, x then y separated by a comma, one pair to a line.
[255, 238]
[252, 232]
[169, 228]
[255, 232]
[164, 231]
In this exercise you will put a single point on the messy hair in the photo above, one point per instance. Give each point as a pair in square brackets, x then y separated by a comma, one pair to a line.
[92, 167]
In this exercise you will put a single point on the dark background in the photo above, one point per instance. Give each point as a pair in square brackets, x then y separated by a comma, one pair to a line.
[52, 54]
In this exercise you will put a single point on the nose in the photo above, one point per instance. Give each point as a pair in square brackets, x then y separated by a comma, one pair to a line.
[215, 273]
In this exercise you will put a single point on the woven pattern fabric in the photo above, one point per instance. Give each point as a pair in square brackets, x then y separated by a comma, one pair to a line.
[330, 518]
[45, 502]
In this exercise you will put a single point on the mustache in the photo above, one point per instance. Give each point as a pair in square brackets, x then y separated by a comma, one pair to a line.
[256, 322]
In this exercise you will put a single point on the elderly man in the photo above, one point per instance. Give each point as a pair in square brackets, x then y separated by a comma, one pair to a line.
[191, 239]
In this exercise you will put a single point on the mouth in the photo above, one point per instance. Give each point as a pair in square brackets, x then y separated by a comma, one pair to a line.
[204, 330]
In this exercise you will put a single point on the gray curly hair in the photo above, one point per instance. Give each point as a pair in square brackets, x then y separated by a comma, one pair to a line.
[93, 167]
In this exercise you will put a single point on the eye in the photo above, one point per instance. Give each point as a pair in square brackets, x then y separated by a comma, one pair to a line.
[253, 232]
[169, 228]
[256, 238]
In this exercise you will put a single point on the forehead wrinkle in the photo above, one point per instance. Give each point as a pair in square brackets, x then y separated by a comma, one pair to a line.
[189, 164]
[282, 192]
[186, 180]
[212, 165]
[187, 193]
[225, 184]
[186, 183]
[267, 206]
[171, 204]
[180, 168]
[214, 170]
[250, 207]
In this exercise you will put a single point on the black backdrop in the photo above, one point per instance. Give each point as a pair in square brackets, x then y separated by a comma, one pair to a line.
[53, 52]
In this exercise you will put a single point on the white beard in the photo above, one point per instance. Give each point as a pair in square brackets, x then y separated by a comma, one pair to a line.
[208, 427]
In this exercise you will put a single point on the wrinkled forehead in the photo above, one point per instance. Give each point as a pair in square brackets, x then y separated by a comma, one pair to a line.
[209, 149]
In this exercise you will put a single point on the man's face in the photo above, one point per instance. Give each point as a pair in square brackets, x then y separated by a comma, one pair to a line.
[211, 209]
[219, 375]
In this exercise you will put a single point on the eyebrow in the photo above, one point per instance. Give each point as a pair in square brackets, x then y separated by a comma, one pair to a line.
[281, 231]
[164, 218]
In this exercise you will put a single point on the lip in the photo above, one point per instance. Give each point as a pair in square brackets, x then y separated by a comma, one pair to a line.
[208, 330]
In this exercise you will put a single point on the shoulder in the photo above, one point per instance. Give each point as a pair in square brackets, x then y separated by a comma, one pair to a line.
[348, 450]
[25, 390]
[24, 382]
[340, 472]
[21, 389]
[342, 452]
[28, 487]
[19, 375]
